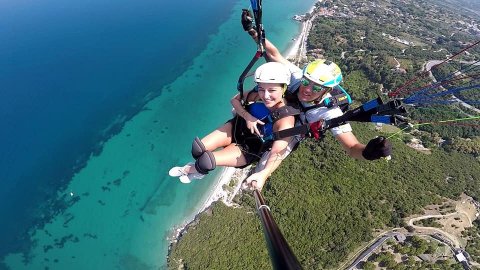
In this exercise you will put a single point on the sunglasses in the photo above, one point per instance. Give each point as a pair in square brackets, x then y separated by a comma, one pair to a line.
[315, 87]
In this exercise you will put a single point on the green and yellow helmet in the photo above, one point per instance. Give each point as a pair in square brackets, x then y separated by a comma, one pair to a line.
[323, 72]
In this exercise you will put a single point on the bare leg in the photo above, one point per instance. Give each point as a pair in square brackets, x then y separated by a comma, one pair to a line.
[220, 137]
[230, 156]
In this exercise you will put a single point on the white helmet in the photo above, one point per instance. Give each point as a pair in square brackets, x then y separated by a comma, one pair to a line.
[272, 72]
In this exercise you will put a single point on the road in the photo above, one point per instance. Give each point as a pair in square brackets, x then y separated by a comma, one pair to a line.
[428, 67]
[366, 253]
[398, 63]
[444, 237]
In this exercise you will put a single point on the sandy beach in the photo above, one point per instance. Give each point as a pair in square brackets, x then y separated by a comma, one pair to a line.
[298, 49]
[228, 177]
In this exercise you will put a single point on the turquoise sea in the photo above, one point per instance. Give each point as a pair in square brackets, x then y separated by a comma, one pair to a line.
[97, 101]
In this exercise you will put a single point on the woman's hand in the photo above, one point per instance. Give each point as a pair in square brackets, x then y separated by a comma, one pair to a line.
[256, 181]
[252, 123]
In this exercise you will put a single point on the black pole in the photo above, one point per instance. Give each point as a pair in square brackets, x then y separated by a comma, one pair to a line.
[280, 253]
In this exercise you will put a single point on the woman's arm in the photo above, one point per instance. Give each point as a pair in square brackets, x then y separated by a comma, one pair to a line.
[277, 154]
[351, 145]
[252, 122]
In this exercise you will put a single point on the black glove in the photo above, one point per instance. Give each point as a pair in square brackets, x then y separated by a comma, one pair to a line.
[247, 20]
[377, 148]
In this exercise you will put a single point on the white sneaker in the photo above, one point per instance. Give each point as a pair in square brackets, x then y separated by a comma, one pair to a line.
[185, 177]
[177, 172]
[191, 176]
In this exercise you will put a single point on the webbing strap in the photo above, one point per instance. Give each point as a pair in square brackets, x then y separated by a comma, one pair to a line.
[284, 112]
[372, 111]
[257, 14]
[289, 132]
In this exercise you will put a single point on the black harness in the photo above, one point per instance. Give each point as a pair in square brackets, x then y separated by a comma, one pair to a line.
[372, 111]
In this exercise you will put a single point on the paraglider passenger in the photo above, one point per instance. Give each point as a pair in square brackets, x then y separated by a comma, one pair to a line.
[244, 139]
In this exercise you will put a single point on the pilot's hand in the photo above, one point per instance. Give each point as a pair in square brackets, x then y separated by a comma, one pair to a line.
[247, 20]
[377, 148]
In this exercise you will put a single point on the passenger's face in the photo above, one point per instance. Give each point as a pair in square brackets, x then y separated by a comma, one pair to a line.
[270, 93]
[310, 91]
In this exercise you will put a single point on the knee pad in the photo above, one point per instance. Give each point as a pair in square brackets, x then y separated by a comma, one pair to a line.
[197, 148]
[205, 163]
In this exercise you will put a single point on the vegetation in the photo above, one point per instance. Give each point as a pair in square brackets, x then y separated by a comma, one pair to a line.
[366, 41]
[408, 250]
[473, 245]
[429, 222]
[338, 201]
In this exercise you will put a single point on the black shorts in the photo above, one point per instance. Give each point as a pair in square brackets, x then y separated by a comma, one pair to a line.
[251, 145]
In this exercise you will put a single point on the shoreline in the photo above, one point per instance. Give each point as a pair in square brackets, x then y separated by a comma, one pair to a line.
[298, 50]
[217, 193]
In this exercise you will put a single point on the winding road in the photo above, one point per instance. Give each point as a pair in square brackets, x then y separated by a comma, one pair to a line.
[450, 237]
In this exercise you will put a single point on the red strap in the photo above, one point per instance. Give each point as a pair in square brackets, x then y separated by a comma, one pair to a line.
[315, 129]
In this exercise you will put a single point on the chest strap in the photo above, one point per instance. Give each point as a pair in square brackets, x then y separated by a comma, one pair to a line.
[284, 112]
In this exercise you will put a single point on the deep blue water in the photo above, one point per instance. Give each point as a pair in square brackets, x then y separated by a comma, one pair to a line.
[68, 69]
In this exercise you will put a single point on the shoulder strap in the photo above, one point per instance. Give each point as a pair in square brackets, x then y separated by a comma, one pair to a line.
[284, 112]
[341, 100]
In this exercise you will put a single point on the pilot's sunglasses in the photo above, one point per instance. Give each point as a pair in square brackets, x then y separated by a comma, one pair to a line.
[315, 87]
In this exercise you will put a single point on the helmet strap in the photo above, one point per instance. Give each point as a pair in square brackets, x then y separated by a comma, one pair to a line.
[317, 100]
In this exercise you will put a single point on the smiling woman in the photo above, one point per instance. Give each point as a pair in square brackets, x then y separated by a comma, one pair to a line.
[249, 134]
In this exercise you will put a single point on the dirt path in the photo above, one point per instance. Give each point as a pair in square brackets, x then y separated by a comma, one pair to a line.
[450, 237]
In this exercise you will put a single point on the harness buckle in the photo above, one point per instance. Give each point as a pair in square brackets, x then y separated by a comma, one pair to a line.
[275, 115]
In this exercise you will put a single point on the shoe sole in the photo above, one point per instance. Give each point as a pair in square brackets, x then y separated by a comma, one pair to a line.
[185, 179]
[176, 172]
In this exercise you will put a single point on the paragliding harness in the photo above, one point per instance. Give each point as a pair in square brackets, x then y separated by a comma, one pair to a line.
[372, 111]
[268, 117]
[252, 144]
[340, 98]
[257, 15]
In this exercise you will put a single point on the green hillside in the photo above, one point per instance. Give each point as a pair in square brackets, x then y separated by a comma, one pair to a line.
[327, 204]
